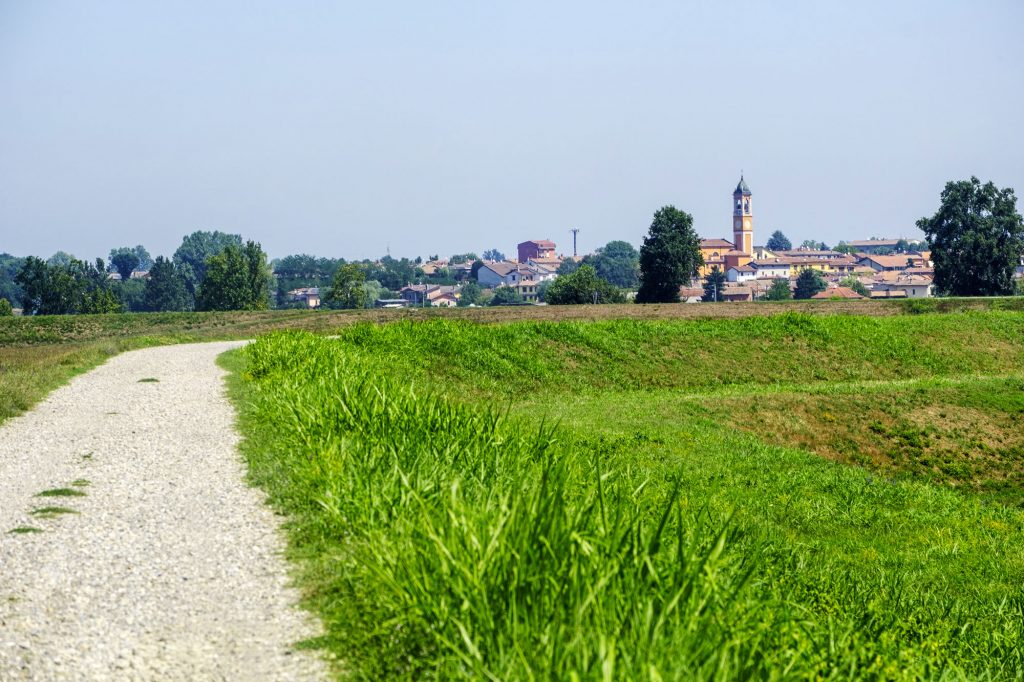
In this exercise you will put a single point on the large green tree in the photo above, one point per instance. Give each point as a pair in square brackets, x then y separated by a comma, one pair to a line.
[855, 284]
[670, 256]
[347, 290]
[165, 288]
[581, 287]
[809, 283]
[195, 251]
[618, 262]
[237, 278]
[778, 242]
[714, 283]
[977, 239]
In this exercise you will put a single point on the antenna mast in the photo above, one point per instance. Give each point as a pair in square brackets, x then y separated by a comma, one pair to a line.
[574, 231]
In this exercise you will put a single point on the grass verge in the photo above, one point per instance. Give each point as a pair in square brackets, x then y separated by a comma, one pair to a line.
[510, 502]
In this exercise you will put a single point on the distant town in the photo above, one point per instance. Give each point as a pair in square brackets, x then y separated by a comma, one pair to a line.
[208, 272]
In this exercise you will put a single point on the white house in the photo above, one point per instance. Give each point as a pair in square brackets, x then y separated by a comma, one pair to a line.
[771, 268]
[742, 273]
[510, 274]
[913, 287]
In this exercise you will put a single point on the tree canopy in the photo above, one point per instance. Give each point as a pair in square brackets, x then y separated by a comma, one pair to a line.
[618, 262]
[505, 296]
[779, 290]
[65, 289]
[581, 287]
[237, 278]
[714, 284]
[196, 249]
[809, 283]
[493, 254]
[165, 288]
[778, 242]
[347, 289]
[670, 256]
[977, 239]
[124, 261]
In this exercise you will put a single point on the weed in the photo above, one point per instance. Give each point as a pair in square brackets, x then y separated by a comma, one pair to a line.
[21, 530]
[80, 482]
[51, 512]
[148, 380]
[61, 492]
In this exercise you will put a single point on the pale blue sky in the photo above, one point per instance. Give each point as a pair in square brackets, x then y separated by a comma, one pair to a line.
[341, 129]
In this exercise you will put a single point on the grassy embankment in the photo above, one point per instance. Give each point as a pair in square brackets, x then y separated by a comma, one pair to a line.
[629, 500]
[37, 354]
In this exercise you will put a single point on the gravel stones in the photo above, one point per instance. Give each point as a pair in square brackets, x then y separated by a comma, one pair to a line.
[171, 568]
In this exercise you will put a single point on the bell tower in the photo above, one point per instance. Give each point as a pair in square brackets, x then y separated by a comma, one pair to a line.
[742, 219]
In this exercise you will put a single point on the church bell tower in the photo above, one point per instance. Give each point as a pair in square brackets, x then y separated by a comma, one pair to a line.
[742, 219]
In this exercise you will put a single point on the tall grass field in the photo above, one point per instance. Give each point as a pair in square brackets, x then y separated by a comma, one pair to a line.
[782, 497]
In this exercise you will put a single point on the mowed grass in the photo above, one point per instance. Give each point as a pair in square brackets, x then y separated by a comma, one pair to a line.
[585, 500]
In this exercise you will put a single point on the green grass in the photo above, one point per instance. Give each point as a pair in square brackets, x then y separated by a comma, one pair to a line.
[61, 492]
[51, 512]
[25, 530]
[558, 500]
[148, 380]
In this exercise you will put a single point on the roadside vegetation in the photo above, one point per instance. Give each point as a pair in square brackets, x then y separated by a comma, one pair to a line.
[647, 499]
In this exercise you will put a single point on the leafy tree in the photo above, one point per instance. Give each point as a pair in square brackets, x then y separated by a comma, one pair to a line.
[852, 282]
[6, 309]
[165, 289]
[618, 262]
[347, 290]
[477, 264]
[132, 294]
[779, 290]
[977, 238]
[843, 247]
[568, 266]
[493, 254]
[505, 296]
[581, 287]
[463, 258]
[669, 257]
[60, 258]
[196, 249]
[237, 278]
[809, 283]
[1019, 288]
[393, 273]
[778, 242]
[145, 260]
[124, 261]
[9, 267]
[372, 290]
[813, 245]
[714, 283]
[470, 294]
[65, 289]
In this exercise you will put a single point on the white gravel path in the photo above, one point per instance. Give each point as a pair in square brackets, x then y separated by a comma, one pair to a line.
[172, 567]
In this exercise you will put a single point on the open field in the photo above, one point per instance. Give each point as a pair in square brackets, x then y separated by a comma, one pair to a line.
[652, 499]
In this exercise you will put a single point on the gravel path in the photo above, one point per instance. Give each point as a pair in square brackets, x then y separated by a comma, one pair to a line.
[170, 567]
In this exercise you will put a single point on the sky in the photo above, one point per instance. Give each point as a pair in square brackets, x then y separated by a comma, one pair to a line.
[353, 130]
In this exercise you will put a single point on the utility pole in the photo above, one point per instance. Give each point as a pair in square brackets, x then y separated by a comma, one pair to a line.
[574, 231]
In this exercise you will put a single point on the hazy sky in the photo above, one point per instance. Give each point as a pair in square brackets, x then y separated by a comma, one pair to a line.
[344, 129]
